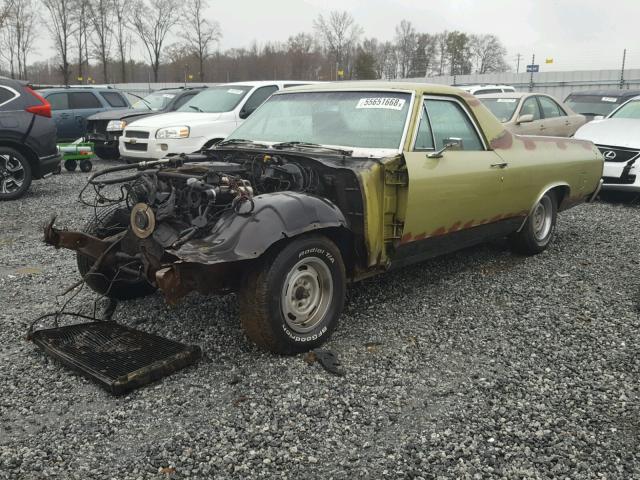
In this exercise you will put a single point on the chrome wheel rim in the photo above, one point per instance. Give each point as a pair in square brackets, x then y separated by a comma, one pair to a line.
[542, 218]
[11, 174]
[306, 294]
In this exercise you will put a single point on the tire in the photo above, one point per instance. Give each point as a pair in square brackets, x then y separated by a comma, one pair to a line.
[70, 165]
[539, 229]
[86, 165]
[15, 174]
[105, 281]
[106, 153]
[284, 320]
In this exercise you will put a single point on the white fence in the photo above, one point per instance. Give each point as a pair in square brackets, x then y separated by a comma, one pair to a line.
[559, 84]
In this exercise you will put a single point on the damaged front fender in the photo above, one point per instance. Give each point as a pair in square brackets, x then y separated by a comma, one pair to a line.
[275, 216]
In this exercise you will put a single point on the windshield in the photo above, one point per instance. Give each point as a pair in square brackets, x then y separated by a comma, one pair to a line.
[592, 104]
[628, 110]
[216, 99]
[502, 108]
[154, 101]
[350, 119]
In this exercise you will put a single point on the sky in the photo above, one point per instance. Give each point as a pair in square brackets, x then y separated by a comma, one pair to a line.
[577, 34]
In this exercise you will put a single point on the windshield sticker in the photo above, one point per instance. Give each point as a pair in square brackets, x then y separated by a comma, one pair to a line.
[235, 91]
[389, 103]
[609, 99]
[168, 95]
[506, 100]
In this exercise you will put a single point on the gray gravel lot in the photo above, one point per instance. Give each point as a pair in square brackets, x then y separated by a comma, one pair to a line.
[479, 364]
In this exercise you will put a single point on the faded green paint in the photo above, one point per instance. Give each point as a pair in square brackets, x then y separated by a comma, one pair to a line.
[462, 190]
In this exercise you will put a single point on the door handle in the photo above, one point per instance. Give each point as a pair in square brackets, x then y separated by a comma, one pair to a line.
[567, 123]
[542, 127]
[499, 165]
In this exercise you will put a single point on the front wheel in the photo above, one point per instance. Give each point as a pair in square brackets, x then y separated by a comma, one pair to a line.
[291, 303]
[537, 232]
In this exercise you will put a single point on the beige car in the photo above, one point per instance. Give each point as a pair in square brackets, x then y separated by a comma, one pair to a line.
[533, 114]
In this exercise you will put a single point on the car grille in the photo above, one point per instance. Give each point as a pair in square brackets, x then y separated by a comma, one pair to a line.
[138, 147]
[136, 134]
[615, 154]
[628, 180]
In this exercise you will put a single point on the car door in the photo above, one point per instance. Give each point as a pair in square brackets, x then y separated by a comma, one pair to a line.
[84, 104]
[257, 98]
[530, 106]
[449, 194]
[556, 121]
[62, 114]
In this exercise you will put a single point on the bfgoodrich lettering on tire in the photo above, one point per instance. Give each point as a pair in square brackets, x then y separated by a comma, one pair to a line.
[292, 301]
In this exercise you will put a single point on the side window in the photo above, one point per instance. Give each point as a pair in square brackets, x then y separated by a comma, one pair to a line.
[114, 99]
[6, 95]
[82, 100]
[424, 137]
[256, 99]
[182, 100]
[488, 90]
[550, 109]
[58, 101]
[289, 85]
[449, 120]
[530, 107]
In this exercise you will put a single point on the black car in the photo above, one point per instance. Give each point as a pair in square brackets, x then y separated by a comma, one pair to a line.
[103, 129]
[27, 138]
[598, 103]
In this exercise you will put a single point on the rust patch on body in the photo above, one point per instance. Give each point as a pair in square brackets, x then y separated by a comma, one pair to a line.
[502, 142]
[438, 232]
[455, 227]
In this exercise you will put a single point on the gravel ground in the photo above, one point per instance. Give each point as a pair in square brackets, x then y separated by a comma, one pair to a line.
[475, 365]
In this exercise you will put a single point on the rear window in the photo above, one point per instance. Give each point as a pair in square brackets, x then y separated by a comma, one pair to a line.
[485, 91]
[593, 104]
[80, 100]
[6, 95]
[114, 99]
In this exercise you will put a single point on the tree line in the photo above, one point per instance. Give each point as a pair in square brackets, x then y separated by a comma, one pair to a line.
[94, 41]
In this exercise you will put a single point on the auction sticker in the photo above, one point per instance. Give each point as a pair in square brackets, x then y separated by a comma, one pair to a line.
[389, 103]
[506, 100]
[235, 91]
[609, 99]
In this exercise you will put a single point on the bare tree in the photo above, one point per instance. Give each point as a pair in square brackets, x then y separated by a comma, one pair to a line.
[441, 41]
[81, 32]
[199, 33]
[101, 13]
[24, 24]
[61, 26]
[405, 45]
[121, 30]
[424, 57]
[489, 53]
[339, 33]
[152, 22]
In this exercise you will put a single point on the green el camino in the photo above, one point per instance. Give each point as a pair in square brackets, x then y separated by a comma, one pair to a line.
[323, 185]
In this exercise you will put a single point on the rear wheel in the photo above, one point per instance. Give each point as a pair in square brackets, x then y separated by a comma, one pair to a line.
[15, 174]
[86, 165]
[537, 233]
[292, 302]
[108, 281]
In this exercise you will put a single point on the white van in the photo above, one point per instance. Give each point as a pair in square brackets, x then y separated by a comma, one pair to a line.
[204, 120]
[484, 89]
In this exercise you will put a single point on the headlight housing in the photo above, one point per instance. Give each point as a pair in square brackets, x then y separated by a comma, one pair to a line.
[173, 132]
[116, 125]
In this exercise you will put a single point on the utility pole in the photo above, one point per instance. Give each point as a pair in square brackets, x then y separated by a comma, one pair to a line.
[624, 58]
[518, 57]
[533, 62]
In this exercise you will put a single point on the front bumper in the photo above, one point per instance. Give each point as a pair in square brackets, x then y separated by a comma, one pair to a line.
[621, 176]
[152, 148]
[48, 165]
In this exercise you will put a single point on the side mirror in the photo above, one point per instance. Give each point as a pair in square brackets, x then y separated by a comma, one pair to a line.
[524, 119]
[598, 117]
[452, 143]
[245, 112]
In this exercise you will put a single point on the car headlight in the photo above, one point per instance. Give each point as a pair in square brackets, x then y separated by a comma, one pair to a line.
[173, 132]
[116, 125]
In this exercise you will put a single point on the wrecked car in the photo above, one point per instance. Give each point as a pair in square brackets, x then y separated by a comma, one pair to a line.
[325, 185]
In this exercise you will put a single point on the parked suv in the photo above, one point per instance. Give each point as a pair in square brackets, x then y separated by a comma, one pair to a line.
[104, 128]
[72, 105]
[201, 122]
[27, 139]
